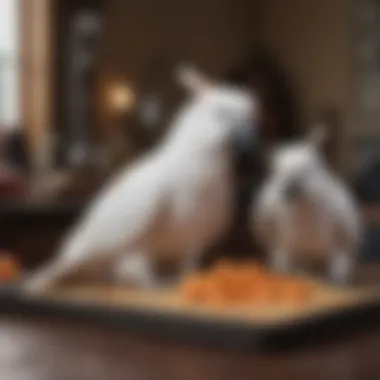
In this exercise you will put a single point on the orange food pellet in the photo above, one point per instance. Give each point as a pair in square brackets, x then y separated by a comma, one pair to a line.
[9, 268]
[229, 283]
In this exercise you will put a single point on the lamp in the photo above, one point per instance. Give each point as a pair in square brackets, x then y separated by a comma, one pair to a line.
[120, 98]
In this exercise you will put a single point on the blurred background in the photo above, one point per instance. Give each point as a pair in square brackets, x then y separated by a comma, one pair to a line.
[86, 86]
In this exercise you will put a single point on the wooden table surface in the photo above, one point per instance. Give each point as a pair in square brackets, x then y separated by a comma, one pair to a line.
[52, 349]
[48, 348]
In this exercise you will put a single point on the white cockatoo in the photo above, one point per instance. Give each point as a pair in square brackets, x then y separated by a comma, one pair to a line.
[305, 211]
[174, 201]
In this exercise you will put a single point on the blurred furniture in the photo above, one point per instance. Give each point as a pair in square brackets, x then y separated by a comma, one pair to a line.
[32, 227]
[367, 181]
[366, 19]
[13, 184]
[15, 149]
[78, 31]
[371, 239]
[33, 230]
[367, 190]
[36, 77]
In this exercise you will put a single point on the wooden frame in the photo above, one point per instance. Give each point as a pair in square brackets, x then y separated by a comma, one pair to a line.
[36, 76]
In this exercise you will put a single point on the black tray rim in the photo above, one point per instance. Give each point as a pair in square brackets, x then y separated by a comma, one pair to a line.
[217, 333]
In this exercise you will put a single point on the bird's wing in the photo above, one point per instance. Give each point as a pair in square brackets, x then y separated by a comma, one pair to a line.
[124, 211]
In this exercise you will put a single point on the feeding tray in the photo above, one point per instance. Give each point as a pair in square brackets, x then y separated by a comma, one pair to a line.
[166, 313]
